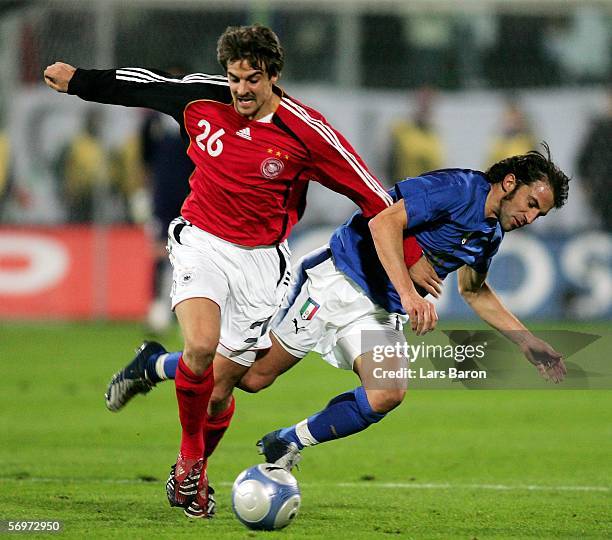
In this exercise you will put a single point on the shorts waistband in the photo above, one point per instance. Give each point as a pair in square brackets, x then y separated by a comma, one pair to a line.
[180, 222]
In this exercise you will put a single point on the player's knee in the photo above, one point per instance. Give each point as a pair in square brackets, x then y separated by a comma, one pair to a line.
[199, 354]
[254, 382]
[386, 401]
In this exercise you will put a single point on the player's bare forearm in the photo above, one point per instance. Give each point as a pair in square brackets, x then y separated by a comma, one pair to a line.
[488, 306]
[387, 229]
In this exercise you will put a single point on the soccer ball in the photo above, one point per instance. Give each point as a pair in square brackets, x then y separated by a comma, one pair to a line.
[265, 497]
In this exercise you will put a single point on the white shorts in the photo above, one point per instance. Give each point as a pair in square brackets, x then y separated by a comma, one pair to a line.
[326, 312]
[248, 284]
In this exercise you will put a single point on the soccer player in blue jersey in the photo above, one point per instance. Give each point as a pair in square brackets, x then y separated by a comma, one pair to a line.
[360, 283]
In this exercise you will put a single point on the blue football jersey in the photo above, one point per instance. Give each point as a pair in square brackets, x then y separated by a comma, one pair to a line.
[445, 211]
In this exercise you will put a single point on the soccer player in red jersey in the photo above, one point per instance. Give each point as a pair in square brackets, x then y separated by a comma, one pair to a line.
[254, 149]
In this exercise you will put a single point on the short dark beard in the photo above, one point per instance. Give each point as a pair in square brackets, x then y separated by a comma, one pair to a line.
[508, 197]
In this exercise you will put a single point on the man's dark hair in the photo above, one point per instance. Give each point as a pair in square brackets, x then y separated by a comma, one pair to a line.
[531, 167]
[256, 44]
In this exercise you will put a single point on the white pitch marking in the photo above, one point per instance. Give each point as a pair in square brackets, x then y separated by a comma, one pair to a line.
[495, 487]
[351, 485]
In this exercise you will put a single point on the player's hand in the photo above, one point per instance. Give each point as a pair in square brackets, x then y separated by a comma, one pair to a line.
[422, 313]
[548, 361]
[58, 75]
[423, 275]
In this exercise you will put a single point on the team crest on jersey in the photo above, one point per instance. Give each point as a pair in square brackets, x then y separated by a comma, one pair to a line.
[308, 310]
[271, 167]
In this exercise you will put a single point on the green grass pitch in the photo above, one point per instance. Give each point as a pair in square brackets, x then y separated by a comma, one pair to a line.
[447, 464]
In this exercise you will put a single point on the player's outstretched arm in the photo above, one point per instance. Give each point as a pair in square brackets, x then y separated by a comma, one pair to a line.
[58, 75]
[387, 230]
[136, 87]
[488, 306]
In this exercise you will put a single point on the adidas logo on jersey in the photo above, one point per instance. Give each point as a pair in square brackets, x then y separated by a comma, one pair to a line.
[245, 133]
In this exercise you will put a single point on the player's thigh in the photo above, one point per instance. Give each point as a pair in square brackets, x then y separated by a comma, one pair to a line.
[301, 320]
[268, 366]
[196, 269]
[246, 284]
[257, 282]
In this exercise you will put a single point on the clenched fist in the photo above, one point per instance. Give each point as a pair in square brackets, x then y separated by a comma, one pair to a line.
[58, 75]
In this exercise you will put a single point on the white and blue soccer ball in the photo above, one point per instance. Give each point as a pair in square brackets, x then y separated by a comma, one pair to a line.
[266, 497]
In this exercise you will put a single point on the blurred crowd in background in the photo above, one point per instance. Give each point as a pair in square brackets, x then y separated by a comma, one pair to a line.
[390, 68]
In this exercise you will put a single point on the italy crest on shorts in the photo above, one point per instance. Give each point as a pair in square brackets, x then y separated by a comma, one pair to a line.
[309, 309]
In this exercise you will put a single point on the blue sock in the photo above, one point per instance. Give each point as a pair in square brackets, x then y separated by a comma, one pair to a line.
[344, 415]
[162, 366]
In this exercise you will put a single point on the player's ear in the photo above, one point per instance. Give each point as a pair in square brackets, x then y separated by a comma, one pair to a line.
[509, 183]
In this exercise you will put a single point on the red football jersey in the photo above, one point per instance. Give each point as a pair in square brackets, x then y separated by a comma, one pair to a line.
[250, 180]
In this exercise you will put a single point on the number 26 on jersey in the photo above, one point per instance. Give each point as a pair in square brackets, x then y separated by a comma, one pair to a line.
[214, 145]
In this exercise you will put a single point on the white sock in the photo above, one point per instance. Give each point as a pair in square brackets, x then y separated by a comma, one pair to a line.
[303, 434]
[159, 366]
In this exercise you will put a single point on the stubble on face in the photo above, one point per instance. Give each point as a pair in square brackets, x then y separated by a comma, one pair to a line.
[251, 89]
